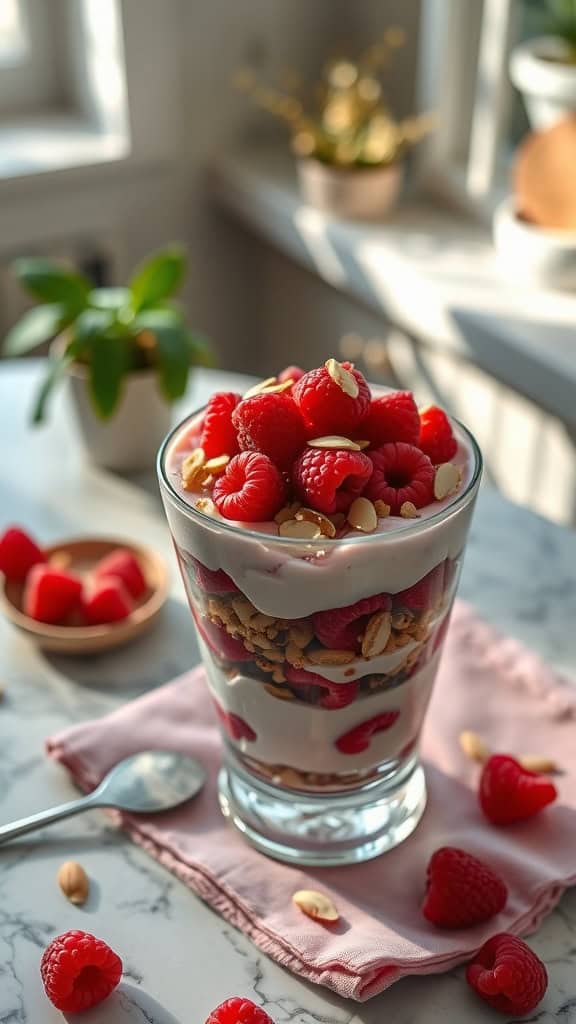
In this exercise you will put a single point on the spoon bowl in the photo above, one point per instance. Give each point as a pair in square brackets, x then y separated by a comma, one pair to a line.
[146, 783]
[152, 781]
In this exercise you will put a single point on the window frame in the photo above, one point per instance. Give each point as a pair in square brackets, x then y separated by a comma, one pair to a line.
[477, 180]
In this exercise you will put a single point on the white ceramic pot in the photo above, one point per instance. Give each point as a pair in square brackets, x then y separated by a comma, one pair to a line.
[548, 86]
[363, 193]
[534, 254]
[131, 438]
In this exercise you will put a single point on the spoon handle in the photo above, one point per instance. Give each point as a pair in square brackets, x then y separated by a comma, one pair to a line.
[34, 821]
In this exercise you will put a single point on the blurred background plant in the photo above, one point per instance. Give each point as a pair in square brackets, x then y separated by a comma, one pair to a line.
[346, 120]
[113, 332]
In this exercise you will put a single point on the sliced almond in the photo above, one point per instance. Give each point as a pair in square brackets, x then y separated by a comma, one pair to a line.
[191, 466]
[316, 905]
[377, 634]
[408, 510]
[244, 609]
[207, 506]
[74, 882]
[382, 509]
[217, 464]
[301, 634]
[300, 529]
[309, 515]
[286, 513]
[363, 444]
[258, 388]
[362, 515]
[343, 378]
[334, 441]
[327, 656]
[446, 480]
[538, 763]
[473, 746]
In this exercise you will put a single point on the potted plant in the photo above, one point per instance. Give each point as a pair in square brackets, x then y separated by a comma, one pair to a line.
[349, 148]
[535, 227]
[124, 353]
[543, 68]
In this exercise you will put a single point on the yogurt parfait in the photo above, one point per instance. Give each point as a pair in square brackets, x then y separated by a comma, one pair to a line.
[319, 526]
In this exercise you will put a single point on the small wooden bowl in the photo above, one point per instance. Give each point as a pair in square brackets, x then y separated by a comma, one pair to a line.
[81, 556]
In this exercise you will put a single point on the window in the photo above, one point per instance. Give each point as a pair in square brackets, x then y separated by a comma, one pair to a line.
[464, 78]
[13, 36]
[62, 89]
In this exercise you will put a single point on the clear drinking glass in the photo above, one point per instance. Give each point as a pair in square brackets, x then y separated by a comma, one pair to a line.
[320, 708]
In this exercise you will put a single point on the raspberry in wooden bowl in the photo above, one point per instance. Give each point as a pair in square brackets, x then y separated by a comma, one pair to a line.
[86, 595]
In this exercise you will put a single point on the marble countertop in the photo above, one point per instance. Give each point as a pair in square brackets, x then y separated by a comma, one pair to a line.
[180, 958]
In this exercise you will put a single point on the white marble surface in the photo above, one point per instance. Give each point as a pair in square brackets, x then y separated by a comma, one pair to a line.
[180, 958]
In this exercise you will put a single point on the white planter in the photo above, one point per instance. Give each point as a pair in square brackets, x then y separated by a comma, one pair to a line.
[364, 194]
[534, 254]
[131, 438]
[548, 87]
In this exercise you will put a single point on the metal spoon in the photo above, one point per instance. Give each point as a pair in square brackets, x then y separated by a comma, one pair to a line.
[155, 780]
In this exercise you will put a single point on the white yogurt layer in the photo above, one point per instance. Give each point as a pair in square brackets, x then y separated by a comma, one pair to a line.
[304, 737]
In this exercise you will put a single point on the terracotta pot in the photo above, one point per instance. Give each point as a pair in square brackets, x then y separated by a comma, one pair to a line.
[547, 83]
[131, 438]
[538, 255]
[360, 193]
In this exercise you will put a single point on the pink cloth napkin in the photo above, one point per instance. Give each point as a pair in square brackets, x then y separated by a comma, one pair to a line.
[487, 683]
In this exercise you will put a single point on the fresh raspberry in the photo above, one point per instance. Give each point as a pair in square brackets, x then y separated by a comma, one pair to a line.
[358, 739]
[436, 438]
[236, 727]
[271, 424]
[123, 565]
[218, 435]
[224, 646]
[508, 792]
[107, 601]
[291, 373]
[508, 975]
[50, 594]
[213, 581]
[251, 489]
[341, 628]
[79, 971]
[239, 1011]
[333, 696]
[426, 593]
[440, 634]
[392, 417]
[461, 890]
[325, 407]
[328, 479]
[401, 473]
[18, 553]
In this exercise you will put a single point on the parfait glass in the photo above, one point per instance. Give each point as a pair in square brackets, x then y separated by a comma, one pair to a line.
[320, 658]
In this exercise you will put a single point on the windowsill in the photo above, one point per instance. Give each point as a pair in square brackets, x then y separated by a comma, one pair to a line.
[432, 272]
[55, 143]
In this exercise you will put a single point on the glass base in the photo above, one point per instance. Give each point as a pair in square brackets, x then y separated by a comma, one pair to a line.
[322, 831]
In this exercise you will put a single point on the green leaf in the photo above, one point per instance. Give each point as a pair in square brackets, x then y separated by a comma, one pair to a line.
[172, 349]
[110, 298]
[158, 277]
[107, 351]
[51, 282]
[35, 327]
[57, 366]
